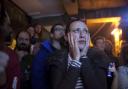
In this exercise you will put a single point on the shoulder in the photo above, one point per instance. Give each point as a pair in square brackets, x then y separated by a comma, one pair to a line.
[123, 69]
[12, 55]
[96, 53]
[9, 51]
[44, 51]
[58, 56]
[98, 57]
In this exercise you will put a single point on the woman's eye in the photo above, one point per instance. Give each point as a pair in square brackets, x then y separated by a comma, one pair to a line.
[76, 31]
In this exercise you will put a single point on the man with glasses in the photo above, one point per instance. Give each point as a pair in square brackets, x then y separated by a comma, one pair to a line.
[39, 65]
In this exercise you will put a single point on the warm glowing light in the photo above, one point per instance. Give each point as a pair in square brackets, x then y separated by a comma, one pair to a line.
[117, 33]
[13, 44]
[101, 20]
[91, 44]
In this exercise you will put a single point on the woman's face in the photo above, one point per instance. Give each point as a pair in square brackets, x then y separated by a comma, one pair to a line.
[38, 28]
[80, 31]
[31, 31]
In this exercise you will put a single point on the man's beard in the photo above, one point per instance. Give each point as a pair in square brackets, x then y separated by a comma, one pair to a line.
[23, 47]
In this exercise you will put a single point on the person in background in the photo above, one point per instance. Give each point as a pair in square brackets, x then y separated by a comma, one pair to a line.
[106, 48]
[41, 34]
[31, 30]
[33, 40]
[25, 58]
[123, 68]
[39, 65]
[99, 43]
[109, 52]
[38, 30]
[45, 34]
[22, 44]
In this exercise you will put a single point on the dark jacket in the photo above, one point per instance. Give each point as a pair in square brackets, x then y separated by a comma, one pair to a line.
[39, 66]
[93, 71]
[26, 64]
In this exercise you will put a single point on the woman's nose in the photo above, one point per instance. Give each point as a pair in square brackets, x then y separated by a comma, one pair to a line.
[82, 34]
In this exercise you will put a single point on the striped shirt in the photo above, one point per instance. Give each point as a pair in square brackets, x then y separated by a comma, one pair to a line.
[76, 63]
[79, 84]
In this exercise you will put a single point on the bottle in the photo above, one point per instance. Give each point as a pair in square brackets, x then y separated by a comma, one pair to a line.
[14, 84]
[109, 74]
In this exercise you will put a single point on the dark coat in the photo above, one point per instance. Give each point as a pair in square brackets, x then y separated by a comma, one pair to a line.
[93, 71]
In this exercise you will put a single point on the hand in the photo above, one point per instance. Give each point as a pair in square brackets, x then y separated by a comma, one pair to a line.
[112, 68]
[73, 46]
[85, 50]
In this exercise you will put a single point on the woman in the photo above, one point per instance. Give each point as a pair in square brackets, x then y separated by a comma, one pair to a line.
[76, 67]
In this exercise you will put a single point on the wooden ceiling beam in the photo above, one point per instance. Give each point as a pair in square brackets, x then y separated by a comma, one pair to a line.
[100, 4]
[71, 7]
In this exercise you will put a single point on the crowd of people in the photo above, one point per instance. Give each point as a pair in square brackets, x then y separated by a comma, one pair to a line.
[60, 59]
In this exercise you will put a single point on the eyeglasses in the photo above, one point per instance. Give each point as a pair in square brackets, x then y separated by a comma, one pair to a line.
[59, 29]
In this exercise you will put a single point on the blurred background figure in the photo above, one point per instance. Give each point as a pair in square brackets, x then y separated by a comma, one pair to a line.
[109, 52]
[48, 47]
[99, 43]
[105, 48]
[23, 44]
[31, 30]
[123, 69]
[40, 32]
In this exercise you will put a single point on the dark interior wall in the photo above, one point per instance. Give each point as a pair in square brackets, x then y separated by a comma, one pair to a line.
[86, 14]
[106, 12]
[51, 20]
[18, 18]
